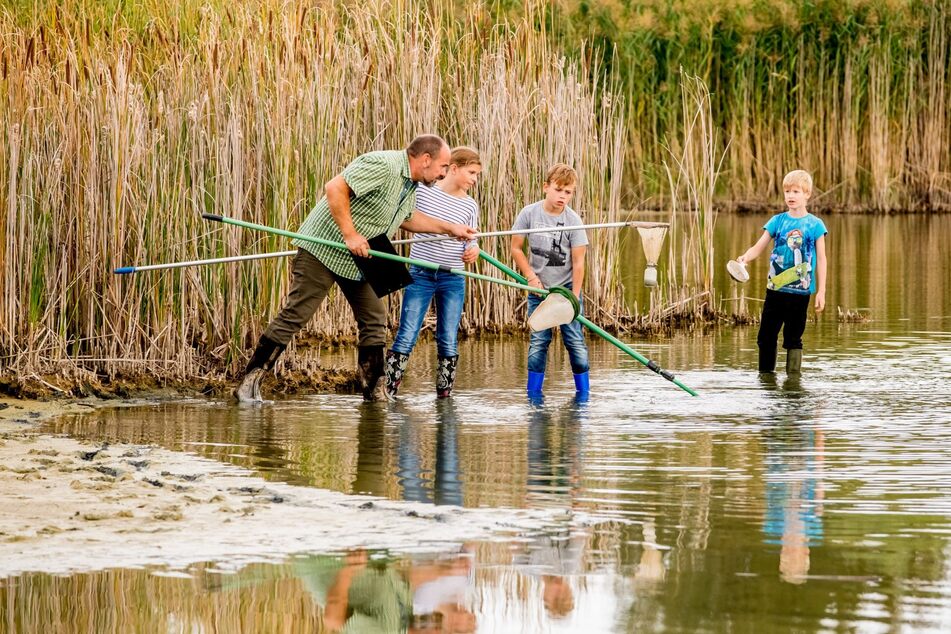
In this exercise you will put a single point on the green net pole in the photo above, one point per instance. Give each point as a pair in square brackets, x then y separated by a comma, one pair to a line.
[651, 365]
[378, 254]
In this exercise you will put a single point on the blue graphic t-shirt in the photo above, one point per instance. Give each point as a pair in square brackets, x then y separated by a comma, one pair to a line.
[792, 263]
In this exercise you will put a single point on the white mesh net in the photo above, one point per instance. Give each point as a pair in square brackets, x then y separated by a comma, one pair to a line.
[653, 239]
[555, 310]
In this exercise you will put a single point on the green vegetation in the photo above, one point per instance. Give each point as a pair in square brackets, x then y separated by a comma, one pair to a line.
[855, 91]
[125, 120]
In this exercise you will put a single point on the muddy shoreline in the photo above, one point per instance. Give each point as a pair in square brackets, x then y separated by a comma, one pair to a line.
[298, 375]
[57, 386]
[68, 505]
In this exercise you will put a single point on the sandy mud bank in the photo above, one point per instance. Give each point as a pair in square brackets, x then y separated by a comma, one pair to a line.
[67, 505]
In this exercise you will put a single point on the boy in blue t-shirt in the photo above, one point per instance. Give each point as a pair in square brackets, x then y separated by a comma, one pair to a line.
[797, 269]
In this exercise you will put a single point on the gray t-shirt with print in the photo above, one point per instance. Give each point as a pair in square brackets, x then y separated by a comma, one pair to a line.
[549, 253]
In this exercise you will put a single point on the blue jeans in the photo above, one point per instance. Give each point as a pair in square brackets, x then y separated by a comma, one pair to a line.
[571, 334]
[450, 292]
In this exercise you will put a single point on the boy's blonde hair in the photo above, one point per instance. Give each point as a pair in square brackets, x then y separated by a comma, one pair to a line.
[463, 156]
[798, 177]
[561, 174]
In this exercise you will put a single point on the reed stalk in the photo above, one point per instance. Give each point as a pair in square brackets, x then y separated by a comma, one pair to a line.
[124, 122]
[118, 134]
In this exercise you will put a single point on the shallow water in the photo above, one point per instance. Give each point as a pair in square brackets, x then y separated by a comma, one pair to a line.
[820, 504]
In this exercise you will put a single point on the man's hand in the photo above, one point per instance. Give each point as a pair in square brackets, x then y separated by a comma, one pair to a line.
[463, 232]
[470, 255]
[820, 301]
[357, 244]
[534, 281]
[357, 558]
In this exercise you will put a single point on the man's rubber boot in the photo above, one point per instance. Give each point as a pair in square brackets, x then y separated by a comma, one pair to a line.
[395, 368]
[262, 359]
[534, 385]
[767, 359]
[370, 364]
[446, 376]
[794, 362]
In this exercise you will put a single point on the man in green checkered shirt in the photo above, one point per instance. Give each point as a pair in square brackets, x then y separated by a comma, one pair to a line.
[374, 195]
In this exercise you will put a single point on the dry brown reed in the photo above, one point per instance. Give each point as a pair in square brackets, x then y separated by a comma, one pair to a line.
[123, 122]
[852, 316]
[692, 172]
[117, 133]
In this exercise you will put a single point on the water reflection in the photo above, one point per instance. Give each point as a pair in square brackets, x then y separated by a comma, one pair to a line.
[445, 485]
[774, 504]
[554, 459]
[363, 591]
[793, 459]
[556, 562]
[370, 476]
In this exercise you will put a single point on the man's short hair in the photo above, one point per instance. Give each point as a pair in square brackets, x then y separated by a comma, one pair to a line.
[561, 174]
[426, 144]
[798, 177]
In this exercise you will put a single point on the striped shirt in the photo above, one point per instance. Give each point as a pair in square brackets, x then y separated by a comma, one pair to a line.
[383, 198]
[434, 202]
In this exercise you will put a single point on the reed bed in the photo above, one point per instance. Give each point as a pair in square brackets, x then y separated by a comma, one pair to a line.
[856, 92]
[118, 131]
[123, 122]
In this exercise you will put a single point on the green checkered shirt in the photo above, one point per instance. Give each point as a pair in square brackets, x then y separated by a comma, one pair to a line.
[378, 181]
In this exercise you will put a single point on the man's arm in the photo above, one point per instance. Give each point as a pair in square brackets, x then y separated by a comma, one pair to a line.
[421, 223]
[338, 200]
[521, 261]
[577, 269]
[821, 274]
[338, 594]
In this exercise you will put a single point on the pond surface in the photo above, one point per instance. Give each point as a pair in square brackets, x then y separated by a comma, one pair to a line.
[818, 504]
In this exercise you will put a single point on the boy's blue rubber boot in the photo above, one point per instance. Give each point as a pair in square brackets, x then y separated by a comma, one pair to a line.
[535, 380]
[582, 383]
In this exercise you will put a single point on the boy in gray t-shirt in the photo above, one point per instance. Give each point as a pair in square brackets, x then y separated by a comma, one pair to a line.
[554, 258]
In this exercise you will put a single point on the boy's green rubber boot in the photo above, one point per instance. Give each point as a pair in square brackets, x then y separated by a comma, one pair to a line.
[794, 361]
[767, 359]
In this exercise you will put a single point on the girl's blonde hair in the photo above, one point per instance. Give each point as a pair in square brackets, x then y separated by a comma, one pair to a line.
[798, 177]
[463, 156]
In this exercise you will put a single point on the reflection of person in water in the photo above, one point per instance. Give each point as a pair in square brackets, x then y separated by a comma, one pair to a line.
[371, 447]
[554, 451]
[553, 559]
[439, 595]
[794, 496]
[651, 569]
[359, 594]
[446, 483]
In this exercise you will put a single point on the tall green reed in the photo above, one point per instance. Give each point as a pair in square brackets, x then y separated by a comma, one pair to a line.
[856, 92]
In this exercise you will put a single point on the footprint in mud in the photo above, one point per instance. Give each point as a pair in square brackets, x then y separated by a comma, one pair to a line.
[170, 514]
[42, 452]
[95, 516]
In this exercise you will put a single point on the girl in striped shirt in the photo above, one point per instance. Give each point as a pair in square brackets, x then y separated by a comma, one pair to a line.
[448, 200]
